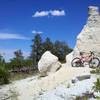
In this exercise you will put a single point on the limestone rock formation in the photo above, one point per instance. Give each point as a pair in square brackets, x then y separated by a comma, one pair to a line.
[89, 38]
[48, 63]
[69, 58]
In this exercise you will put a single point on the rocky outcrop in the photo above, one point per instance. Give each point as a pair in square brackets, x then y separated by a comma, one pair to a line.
[89, 38]
[69, 58]
[48, 63]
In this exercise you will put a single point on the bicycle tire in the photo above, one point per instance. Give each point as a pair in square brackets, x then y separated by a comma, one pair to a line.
[77, 63]
[93, 61]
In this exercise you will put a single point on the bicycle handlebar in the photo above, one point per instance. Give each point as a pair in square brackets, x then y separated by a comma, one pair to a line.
[91, 52]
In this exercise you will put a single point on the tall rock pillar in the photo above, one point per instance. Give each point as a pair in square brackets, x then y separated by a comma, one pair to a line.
[89, 38]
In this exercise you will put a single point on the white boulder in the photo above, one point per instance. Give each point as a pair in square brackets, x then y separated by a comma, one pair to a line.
[48, 63]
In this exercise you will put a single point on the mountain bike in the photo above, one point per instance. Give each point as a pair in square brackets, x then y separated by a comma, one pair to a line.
[91, 59]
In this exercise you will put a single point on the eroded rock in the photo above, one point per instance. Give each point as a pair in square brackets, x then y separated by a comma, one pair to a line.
[89, 37]
[48, 63]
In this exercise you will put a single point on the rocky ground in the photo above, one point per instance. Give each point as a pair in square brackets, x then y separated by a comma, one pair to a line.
[57, 86]
[68, 91]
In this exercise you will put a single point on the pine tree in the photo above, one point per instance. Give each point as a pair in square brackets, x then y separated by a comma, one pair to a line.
[48, 45]
[2, 61]
[61, 49]
[37, 50]
[17, 61]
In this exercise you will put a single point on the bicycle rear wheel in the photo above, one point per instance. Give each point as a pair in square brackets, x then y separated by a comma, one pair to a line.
[76, 62]
[95, 62]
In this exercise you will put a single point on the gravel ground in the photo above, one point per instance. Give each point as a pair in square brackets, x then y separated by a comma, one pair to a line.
[57, 86]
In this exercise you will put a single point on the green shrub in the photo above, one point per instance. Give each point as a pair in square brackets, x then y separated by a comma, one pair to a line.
[96, 86]
[98, 70]
[4, 75]
[81, 98]
[95, 71]
[92, 71]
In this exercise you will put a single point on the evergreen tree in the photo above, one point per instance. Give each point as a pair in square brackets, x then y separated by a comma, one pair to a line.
[37, 49]
[18, 55]
[2, 61]
[48, 45]
[61, 49]
[17, 61]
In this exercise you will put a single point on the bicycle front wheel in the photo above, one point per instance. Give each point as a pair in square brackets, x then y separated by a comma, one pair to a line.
[95, 62]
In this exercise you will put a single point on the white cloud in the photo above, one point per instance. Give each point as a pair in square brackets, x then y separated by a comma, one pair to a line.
[41, 14]
[36, 32]
[57, 13]
[49, 13]
[4, 36]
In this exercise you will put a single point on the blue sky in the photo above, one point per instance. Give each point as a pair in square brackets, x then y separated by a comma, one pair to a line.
[58, 19]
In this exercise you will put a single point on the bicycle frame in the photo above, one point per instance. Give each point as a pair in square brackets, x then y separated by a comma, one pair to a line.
[86, 58]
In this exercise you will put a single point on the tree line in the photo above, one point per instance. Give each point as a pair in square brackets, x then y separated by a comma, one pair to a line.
[58, 48]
